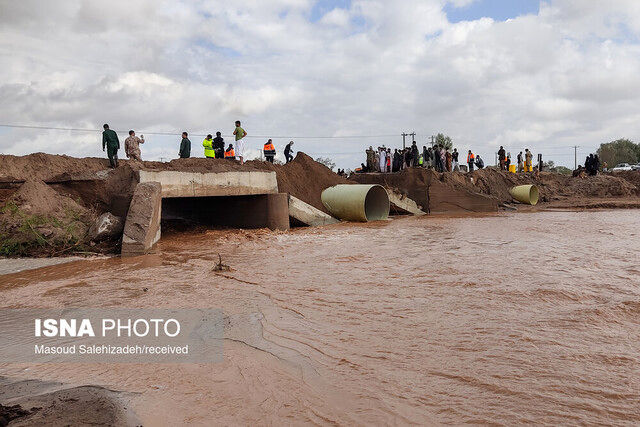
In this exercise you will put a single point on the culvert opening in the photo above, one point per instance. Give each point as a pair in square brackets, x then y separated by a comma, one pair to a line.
[247, 211]
[376, 204]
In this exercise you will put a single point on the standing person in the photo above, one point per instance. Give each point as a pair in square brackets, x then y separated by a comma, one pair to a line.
[240, 134]
[520, 164]
[269, 151]
[382, 159]
[454, 160]
[370, 155]
[501, 157]
[430, 158]
[470, 160]
[287, 151]
[185, 147]
[414, 154]
[540, 163]
[437, 159]
[388, 160]
[448, 159]
[596, 164]
[397, 161]
[443, 158]
[407, 157]
[528, 157]
[207, 143]
[111, 141]
[218, 145]
[508, 162]
[132, 146]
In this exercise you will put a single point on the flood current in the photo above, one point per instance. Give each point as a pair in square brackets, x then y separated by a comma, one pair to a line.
[506, 319]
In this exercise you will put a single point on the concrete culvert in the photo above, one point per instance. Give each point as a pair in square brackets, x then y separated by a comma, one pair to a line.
[357, 202]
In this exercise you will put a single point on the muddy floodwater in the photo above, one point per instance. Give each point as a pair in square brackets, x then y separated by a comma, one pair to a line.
[506, 319]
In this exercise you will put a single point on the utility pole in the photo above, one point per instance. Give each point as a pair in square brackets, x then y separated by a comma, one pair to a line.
[433, 140]
[575, 157]
[404, 135]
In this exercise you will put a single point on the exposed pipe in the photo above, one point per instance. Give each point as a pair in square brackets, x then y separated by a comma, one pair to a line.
[357, 202]
[527, 194]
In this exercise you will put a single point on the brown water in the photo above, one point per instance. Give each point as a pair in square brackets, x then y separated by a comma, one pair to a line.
[508, 319]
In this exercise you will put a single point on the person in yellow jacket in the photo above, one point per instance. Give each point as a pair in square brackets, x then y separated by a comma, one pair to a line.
[209, 152]
[230, 153]
[269, 151]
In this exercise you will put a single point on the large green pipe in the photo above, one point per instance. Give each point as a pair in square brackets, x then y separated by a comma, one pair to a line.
[525, 194]
[357, 202]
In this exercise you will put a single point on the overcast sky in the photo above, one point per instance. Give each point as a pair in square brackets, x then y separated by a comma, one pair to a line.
[520, 73]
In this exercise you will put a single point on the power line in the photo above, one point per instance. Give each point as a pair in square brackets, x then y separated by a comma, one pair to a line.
[194, 134]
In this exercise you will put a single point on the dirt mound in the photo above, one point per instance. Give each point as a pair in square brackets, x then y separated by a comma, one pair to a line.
[412, 182]
[435, 192]
[631, 176]
[37, 219]
[202, 165]
[552, 186]
[46, 167]
[303, 178]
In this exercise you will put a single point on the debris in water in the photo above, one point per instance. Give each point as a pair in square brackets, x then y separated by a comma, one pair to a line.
[220, 266]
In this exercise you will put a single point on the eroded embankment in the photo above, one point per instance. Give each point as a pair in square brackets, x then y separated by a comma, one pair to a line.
[50, 204]
[483, 190]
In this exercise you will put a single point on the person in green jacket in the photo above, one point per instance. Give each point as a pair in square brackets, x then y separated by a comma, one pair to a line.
[185, 147]
[112, 143]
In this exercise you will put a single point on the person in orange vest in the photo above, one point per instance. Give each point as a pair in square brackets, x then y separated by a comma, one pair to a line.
[470, 160]
[269, 151]
[230, 153]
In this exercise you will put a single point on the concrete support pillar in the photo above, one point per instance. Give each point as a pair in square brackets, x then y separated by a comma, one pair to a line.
[277, 211]
[142, 226]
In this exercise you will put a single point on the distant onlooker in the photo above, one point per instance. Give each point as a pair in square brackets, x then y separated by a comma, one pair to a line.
[470, 160]
[185, 146]
[218, 145]
[520, 162]
[230, 153]
[502, 158]
[287, 152]
[269, 151]
[207, 143]
[528, 160]
[240, 134]
[132, 146]
[112, 143]
[454, 160]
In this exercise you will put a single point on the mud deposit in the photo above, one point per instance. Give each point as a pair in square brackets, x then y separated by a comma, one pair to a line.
[506, 319]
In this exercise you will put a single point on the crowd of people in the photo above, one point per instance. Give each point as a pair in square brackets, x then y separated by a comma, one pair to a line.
[213, 147]
[440, 158]
[437, 157]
